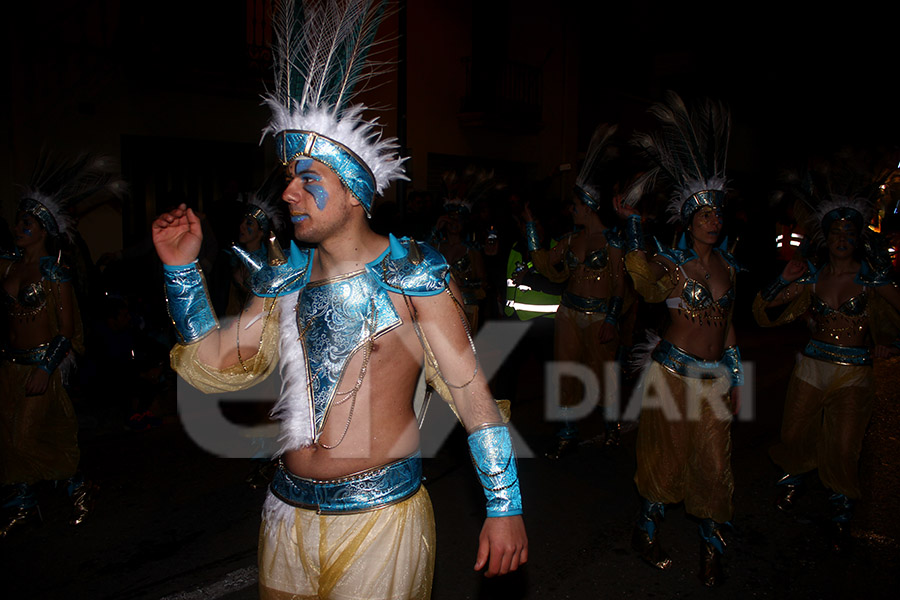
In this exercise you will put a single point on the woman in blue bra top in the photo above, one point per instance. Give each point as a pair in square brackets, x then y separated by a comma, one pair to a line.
[38, 425]
[589, 262]
[690, 387]
[849, 298]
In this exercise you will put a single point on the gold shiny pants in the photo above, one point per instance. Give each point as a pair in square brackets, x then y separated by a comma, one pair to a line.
[382, 554]
[575, 340]
[684, 443]
[826, 411]
[38, 434]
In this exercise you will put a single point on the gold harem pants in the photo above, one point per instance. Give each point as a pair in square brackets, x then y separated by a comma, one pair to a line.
[575, 336]
[382, 554]
[826, 411]
[684, 443]
[38, 434]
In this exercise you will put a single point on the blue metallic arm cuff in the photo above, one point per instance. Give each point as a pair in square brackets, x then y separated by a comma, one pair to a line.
[732, 360]
[613, 310]
[769, 292]
[56, 352]
[188, 302]
[634, 234]
[495, 463]
[531, 235]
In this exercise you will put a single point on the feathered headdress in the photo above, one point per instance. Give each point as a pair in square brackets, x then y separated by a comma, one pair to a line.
[834, 191]
[322, 54]
[265, 204]
[55, 188]
[599, 152]
[690, 149]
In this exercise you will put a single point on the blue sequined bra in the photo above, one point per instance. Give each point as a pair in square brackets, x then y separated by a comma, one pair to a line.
[596, 260]
[696, 302]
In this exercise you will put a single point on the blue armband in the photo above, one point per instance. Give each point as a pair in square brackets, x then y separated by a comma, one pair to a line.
[495, 463]
[188, 302]
[634, 234]
[732, 360]
[769, 292]
[613, 310]
[57, 350]
[531, 236]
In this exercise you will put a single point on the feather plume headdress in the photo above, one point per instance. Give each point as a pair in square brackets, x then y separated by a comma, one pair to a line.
[323, 52]
[690, 150]
[599, 152]
[265, 204]
[56, 187]
[837, 191]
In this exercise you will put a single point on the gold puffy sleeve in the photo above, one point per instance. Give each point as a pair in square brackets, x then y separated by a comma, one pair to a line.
[651, 286]
[794, 309]
[244, 374]
[884, 320]
[543, 261]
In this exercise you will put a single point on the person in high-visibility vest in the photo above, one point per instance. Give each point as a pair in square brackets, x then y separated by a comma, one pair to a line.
[529, 295]
[589, 262]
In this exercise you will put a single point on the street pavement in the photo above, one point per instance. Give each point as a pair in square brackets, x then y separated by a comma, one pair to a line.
[175, 522]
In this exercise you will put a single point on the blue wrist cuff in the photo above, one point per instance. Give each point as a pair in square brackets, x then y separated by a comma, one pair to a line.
[57, 350]
[634, 234]
[531, 235]
[614, 309]
[732, 360]
[769, 292]
[188, 302]
[495, 463]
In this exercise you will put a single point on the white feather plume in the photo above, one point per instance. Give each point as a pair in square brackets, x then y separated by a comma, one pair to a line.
[293, 406]
[323, 58]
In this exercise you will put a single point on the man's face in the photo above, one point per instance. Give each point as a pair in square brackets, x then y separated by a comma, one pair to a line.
[320, 205]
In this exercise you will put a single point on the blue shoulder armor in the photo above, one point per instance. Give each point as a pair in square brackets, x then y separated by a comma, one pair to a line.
[678, 256]
[614, 238]
[11, 254]
[53, 270]
[730, 260]
[871, 276]
[409, 267]
[276, 276]
[811, 275]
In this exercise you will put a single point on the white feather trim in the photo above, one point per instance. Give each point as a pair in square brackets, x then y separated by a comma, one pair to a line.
[293, 406]
[351, 130]
[276, 513]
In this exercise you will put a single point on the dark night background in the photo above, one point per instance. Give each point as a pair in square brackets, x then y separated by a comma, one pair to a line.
[172, 90]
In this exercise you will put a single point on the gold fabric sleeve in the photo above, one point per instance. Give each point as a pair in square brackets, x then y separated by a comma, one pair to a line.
[542, 262]
[239, 376]
[51, 292]
[884, 320]
[795, 309]
[434, 380]
[651, 287]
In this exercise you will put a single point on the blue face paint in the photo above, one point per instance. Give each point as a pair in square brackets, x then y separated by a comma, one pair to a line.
[317, 191]
[302, 170]
[298, 218]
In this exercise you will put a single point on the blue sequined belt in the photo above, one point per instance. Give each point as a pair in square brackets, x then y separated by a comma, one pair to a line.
[841, 355]
[366, 490]
[583, 303]
[30, 356]
[687, 365]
